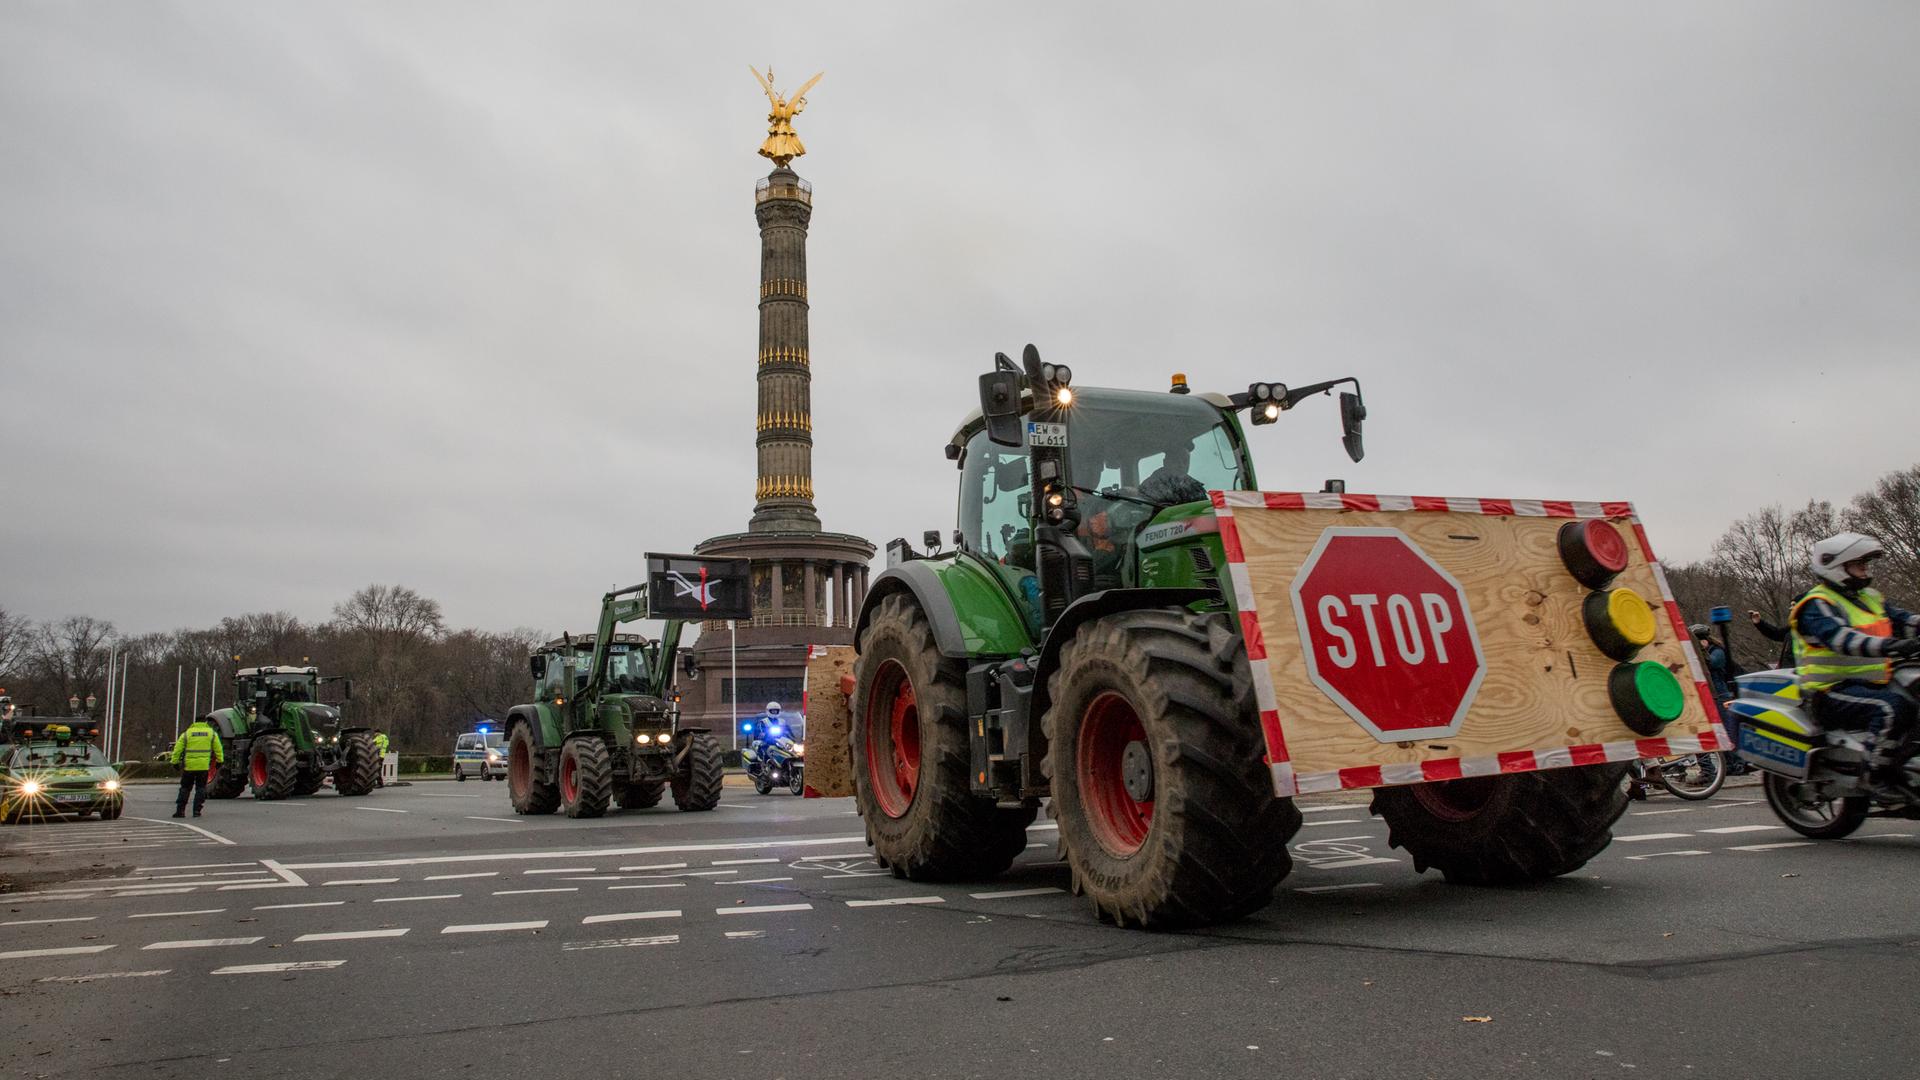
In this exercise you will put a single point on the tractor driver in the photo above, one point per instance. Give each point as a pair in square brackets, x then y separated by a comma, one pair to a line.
[1844, 636]
[1171, 484]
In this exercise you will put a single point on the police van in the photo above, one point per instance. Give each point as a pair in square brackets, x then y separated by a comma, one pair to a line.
[481, 753]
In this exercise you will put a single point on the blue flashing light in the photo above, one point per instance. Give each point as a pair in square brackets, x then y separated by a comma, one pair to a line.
[773, 729]
[746, 727]
[484, 729]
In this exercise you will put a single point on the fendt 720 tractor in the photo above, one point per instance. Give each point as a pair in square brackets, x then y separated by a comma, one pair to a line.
[605, 724]
[280, 740]
[1130, 629]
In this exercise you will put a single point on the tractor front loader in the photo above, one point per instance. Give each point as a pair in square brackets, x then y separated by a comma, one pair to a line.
[1130, 630]
[605, 725]
[280, 740]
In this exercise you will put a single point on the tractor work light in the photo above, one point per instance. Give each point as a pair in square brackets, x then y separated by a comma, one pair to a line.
[1646, 695]
[643, 738]
[1063, 396]
[1619, 621]
[1179, 383]
[1593, 550]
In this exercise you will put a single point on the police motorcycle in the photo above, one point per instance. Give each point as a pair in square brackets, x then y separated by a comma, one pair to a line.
[1815, 780]
[773, 759]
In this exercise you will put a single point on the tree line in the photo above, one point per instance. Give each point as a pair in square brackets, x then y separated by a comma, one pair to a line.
[1760, 562]
[413, 678]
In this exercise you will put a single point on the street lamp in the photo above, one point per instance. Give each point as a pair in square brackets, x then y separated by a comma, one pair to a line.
[73, 703]
[90, 703]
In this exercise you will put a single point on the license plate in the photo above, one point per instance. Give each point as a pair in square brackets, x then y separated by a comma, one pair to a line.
[80, 797]
[1043, 434]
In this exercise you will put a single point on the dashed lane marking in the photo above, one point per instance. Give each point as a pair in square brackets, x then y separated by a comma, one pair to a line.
[762, 909]
[203, 943]
[363, 881]
[893, 900]
[662, 885]
[1660, 854]
[629, 916]
[1334, 809]
[1009, 894]
[310, 903]
[192, 866]
[71, 950]
[406, 899]
[657, 866]
[742, 862]
[1744, 828]
[1773, 847]
[38, 922]
[168, 890]
[620, 943]
[560, 870]
[740, 935]
[508, 820]
[246, 886]
[754, 881]
[604, 853]
[354, 935]
[383, 809]
[456, 877]
[1335, 821]
[1675, 810]
[104, 975]
[1640, 837]
[172, 914]
[269, 969]
[1339, 888]
[529, 892]
[488, 928]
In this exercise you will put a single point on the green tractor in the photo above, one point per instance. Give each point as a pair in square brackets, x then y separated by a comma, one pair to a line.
[1079, 646]
[280, 740]
[605, 724]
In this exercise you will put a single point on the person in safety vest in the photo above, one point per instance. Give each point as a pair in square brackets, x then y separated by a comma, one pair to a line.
[197, 752]
[1844, 636]
[380, 743]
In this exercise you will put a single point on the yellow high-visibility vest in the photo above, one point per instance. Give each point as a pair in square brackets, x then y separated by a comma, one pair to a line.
[1819, 667]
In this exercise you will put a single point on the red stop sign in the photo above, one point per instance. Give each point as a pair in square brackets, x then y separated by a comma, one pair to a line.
[1387, 634]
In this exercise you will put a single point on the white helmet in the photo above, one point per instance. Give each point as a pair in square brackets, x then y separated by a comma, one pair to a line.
[773, 708]
[1830, 557]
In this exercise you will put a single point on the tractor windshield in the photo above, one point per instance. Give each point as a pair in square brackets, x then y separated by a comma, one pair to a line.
[626, 669]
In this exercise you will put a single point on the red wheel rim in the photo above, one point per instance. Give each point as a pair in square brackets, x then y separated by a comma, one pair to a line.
[1119, 821]
[519, 767]
[893, 740]
[257, 768]
[1455, 800]
[569, 784]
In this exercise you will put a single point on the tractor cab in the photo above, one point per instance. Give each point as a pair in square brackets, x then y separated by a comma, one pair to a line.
[562, 667]
[263, 690]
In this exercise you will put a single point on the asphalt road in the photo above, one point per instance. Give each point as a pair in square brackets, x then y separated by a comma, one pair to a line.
[425, 931]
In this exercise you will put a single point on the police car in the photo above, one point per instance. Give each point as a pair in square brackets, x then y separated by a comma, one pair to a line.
[482, 753]
[47, 767]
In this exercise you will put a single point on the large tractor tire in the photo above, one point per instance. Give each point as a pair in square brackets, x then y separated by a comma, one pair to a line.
[911, 758]
[586, 777]
[272, 768]
[697, 787]
[1157, 762]
[359, 767]
[230, 779]
[641, 794]
[308, 781]
[528, 793]
[1505, 830]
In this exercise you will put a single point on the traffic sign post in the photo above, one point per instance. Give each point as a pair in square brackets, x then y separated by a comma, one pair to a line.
[1387, 634]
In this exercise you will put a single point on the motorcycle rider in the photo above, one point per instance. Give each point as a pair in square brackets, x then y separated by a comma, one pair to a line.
[1844, 636]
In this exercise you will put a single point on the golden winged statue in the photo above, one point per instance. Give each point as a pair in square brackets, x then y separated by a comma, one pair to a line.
[782, 144]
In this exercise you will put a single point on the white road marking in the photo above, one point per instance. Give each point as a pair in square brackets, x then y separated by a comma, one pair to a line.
[741, 934]
[754, 881]
[269, 969]
[1722, 804]
[263, 885]
[213, 836]
[383, 809]
[273, 867]
[1337, 888]
[629, 916]
[37, 922]
[170, 914]
[561, 870]
[204, 943]
[363, 881]
[406, 899]
[104, 975]
[1773, 847]
[1676, 810]
[1032, 846]
[620, 943]
[738, 862]
[1744, 828]
[314, 903]
[657, 866]
[762, 909]
[1658, 854]
[892, 900]
[1638, 837]
[528, 892]
[508, 820]
[192, 866]
[488, 928]
[1010, 893]
[1883, 836]
[71, 950]
[663, 885]
[1334, 809]
[1336, 821]
[601, 853]
[596, 877]
[449, 795]
[456, 877]
[354, 935]
[171, 890]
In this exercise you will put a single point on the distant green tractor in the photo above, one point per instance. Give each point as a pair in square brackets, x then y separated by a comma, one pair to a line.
[604, 725]
[281, 741]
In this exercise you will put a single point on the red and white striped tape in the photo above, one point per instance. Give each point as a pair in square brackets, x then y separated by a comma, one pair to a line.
[1287, 783]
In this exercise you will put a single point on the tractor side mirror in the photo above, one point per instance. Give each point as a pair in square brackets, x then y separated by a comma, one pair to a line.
[539, 665]
[1353, 412]
[1000, 404]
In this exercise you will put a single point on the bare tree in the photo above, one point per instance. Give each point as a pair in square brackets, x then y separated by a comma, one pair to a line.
[69, 659]
[1766, 552]
[16, 644]
[394, 614]
[1890, 513]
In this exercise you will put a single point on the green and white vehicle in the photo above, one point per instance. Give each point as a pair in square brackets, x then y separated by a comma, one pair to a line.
[280, 740]
[50, 769]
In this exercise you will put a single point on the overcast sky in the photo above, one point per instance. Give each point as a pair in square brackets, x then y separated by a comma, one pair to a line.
[297, 297]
